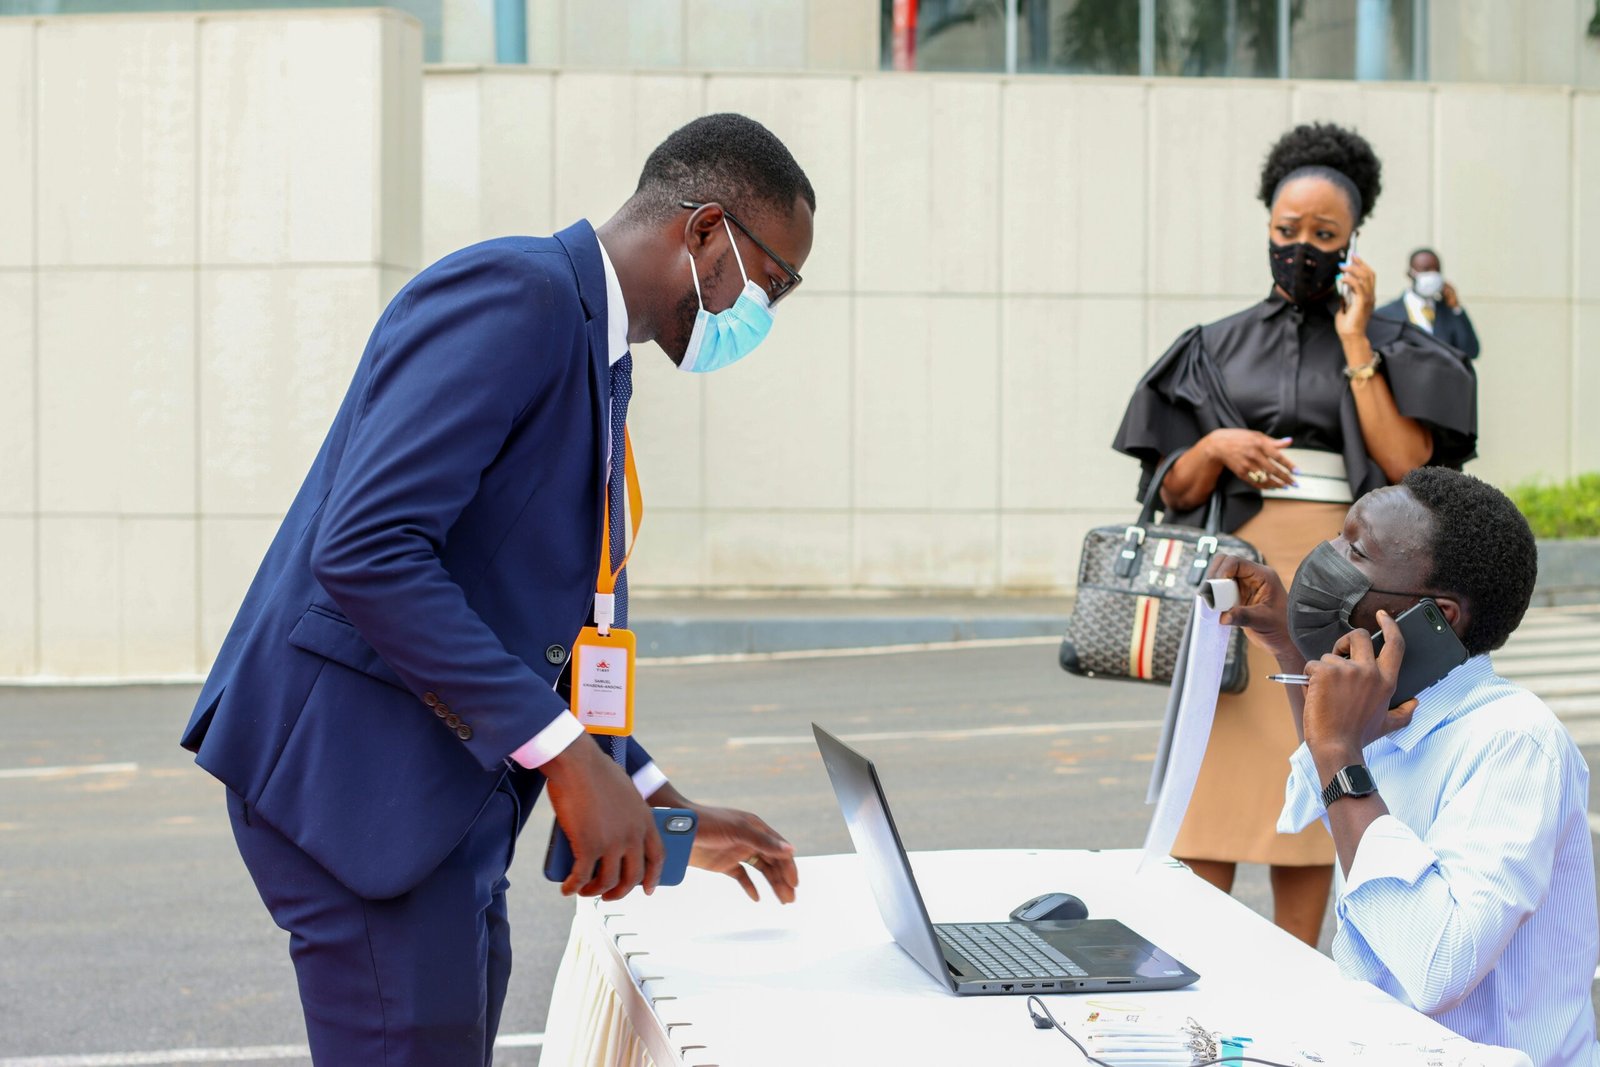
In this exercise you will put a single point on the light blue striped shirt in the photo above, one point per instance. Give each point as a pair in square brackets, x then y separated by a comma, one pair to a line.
[1473, 900]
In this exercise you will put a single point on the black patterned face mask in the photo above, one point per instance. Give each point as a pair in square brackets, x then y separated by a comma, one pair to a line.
[1323, 598]
[1303, 270]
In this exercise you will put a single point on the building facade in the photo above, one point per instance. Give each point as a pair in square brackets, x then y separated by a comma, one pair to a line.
[202, 214]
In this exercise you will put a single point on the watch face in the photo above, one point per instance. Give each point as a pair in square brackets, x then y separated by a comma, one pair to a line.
[1358, 781]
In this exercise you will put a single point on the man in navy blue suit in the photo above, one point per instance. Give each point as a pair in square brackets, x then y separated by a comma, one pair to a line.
[391, 700]
[1430, 303]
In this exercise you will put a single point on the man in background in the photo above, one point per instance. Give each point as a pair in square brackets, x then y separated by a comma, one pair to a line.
[1430, 303]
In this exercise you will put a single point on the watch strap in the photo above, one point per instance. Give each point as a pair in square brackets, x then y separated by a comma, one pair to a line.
[1352, 781]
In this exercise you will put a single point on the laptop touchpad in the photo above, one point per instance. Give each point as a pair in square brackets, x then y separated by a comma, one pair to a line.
[1119, 956]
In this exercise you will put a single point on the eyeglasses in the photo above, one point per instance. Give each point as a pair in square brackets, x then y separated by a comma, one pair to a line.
[781, 289]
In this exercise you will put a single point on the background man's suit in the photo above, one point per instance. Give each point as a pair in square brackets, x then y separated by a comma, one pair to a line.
[408, 624]
[1451, 325]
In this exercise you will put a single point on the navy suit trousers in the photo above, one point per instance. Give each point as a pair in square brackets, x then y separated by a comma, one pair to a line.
[417, 979]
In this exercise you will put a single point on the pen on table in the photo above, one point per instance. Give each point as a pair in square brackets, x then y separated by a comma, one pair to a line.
[1290, 679]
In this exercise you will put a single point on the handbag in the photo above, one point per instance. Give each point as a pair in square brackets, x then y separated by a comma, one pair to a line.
[1136, 590]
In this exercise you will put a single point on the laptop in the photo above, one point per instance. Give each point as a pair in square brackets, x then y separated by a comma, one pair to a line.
[976, 959]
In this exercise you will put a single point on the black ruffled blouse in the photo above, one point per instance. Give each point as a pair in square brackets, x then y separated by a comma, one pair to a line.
[1279, 368]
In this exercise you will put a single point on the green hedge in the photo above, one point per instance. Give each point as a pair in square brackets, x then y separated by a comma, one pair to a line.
[1570, 509]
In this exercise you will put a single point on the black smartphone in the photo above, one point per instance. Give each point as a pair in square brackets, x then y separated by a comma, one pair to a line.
[1432, 649]
[676, 826]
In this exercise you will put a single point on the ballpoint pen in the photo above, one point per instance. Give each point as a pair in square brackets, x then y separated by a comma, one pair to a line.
[1290, 679]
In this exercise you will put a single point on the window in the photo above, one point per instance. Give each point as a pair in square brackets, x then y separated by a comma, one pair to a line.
[1354, 39]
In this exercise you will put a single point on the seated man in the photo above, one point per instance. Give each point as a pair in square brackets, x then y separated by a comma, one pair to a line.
[1469, 887]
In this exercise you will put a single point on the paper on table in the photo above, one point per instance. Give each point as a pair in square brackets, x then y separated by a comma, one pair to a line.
[1191, 705]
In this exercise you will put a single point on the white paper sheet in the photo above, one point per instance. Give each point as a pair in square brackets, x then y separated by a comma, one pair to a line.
[1184, 734]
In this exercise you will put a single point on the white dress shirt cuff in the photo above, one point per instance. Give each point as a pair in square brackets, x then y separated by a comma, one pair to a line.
[553, 740]
[1302, 797]
[648, 779]
[1388, 849]
[550, 742]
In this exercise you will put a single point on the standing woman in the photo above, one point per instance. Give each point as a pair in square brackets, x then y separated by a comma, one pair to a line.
[1293, 408]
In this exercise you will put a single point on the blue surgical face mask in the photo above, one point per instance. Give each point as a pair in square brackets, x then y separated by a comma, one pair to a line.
[725, 338]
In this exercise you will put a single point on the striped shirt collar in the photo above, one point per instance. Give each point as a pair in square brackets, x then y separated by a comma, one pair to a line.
[1444, 701]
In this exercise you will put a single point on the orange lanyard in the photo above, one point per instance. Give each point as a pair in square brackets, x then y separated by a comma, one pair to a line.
[605, 600]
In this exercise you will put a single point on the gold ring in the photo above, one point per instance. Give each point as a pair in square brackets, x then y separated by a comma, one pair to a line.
[1257, 476]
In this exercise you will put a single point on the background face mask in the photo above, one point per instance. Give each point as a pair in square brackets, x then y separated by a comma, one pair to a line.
[725, 338]
[1428, 283]
[1303, 270]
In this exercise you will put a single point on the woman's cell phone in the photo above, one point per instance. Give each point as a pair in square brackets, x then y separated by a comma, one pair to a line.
[1432, 649]
[1342, 285]
[675, 825]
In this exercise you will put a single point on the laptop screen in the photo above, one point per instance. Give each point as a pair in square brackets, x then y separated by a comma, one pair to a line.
[877, 842]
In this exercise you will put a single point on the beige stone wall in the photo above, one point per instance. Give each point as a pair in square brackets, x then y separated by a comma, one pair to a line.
[200, 217]
[997, 261]
[1538, 42]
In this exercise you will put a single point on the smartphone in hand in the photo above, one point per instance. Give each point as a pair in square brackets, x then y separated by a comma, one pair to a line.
[1342, 285]
[1432, 649]
[675, 825]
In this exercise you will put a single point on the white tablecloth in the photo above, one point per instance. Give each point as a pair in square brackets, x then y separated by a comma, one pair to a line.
[698, 976]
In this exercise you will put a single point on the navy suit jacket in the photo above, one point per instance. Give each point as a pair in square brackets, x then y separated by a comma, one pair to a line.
[1454, 329]
[406, 629]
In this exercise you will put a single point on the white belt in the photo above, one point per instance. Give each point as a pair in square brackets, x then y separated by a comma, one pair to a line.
[1322, 477]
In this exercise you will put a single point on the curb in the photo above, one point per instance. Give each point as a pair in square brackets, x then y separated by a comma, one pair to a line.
[1569, 572]
[704, 637]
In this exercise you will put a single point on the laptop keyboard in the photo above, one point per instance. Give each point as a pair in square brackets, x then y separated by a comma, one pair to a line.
[1009, 950]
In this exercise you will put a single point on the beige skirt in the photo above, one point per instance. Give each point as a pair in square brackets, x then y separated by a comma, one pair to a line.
[1234, 813]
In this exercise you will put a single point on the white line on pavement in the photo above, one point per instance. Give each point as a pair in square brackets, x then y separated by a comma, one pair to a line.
[66, 772]
[950, 735]
[829, 653]
[233, 1054]
[240, 1054]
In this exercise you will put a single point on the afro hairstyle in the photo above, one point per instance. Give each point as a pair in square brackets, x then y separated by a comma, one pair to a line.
[1483, 551]
[1324, 144]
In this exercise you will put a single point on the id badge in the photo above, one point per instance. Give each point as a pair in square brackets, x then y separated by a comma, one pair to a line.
[602, 681]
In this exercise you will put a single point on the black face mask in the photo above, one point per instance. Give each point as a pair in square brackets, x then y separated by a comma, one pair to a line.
[1303, 270]
[1326, 590]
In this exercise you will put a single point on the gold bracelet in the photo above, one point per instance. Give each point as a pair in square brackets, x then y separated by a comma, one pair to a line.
[1365, 371]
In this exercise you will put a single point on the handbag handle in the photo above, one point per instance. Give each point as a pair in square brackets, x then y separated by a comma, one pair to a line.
[1152, 495]
[1128, 558]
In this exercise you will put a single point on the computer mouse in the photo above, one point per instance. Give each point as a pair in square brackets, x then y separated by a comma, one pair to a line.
[1048, 906]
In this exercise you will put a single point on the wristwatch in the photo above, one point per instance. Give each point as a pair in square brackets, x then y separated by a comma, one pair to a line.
[1352, 781]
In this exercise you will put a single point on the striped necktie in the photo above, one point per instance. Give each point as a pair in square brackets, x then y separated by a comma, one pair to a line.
[617, 495]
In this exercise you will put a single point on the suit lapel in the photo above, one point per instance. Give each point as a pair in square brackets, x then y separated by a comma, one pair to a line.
[583, 249]
[600, 389]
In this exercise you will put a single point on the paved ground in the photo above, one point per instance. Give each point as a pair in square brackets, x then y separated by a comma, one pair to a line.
[128, 925]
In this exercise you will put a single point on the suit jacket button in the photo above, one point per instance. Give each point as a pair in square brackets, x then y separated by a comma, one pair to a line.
[430, 699]
[452, 720]
[464, 732]
[556, 654]
[440, 710]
